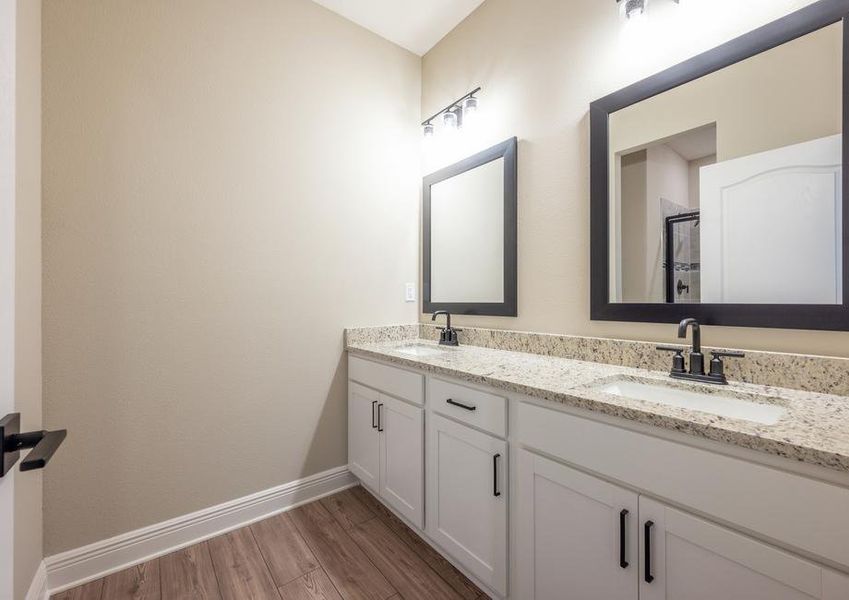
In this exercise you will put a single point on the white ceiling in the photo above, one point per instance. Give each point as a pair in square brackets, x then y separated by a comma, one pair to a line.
[412, 24]
[695, 144]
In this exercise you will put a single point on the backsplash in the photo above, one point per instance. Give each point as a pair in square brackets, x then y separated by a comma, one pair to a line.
[822, 374]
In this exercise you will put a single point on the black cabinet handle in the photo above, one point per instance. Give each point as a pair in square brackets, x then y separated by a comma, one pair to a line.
[647, 536]
[466, 406]
[379, 424]
[623, 562]
[495, 491]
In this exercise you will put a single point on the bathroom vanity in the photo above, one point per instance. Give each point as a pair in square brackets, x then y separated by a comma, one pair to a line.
[535, 474]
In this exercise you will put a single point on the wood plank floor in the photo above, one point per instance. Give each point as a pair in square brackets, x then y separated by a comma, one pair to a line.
[344, 547]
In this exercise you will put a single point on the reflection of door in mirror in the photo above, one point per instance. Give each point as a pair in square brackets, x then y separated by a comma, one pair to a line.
[790, 193]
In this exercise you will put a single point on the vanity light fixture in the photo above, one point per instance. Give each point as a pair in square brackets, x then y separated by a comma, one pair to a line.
[454, 114]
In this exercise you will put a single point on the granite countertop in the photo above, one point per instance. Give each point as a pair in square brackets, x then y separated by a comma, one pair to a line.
[814, 429]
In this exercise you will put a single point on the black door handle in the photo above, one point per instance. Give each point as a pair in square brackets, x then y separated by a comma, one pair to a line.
[43, 443]
[647, 538]
[379, 424]
[495, 491]
[461, 405]
[373, 424]
[623, 562]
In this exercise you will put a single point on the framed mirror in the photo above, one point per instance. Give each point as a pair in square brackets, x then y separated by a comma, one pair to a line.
[719, 186]
[469, 235]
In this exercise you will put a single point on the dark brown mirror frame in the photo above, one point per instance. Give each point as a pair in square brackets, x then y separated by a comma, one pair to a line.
[507, 308]
[789, 316]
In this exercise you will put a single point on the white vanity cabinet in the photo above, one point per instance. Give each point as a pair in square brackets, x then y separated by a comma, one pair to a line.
[571, 535]
[578, 533]
[386, 435]
[401, 428]
[604, 542]
[600, 509]
[467, 498]
[363, 437]
[467, 478]
[693, 559]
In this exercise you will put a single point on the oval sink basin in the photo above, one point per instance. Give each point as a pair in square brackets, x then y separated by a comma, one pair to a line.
[715, 404]
[421, 350]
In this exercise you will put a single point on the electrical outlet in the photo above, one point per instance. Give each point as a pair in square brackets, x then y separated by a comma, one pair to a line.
[410, 292]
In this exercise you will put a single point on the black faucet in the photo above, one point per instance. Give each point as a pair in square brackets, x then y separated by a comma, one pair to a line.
[448, 337]
[697, 359]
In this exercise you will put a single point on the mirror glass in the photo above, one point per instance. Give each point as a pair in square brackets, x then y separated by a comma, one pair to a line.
[467, 236]
[727, 189]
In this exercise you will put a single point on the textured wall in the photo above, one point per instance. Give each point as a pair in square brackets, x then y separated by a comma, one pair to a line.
[540, 64]
[227, 185]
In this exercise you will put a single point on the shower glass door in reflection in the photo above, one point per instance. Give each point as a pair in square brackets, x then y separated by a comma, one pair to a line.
[682, 264]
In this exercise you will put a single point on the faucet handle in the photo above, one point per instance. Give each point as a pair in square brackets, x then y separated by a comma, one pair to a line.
[727, 353]
[677, 359]
[717, 367]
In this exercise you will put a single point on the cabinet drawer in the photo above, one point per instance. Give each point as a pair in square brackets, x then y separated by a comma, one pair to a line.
[391, 380]
[480, 409]
[760, 499]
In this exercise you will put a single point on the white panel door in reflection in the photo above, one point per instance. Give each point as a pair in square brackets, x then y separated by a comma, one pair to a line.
[771, 226]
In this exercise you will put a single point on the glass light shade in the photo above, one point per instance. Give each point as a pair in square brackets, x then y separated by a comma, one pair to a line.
[633, 8]
[428, 129]
[449, 119]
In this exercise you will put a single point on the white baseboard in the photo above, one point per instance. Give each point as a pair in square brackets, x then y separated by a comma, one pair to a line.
[38, 587]
[75, 567]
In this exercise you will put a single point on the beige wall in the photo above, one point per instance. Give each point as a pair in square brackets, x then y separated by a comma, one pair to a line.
[227, 185]
[540, 65]
[28, 486]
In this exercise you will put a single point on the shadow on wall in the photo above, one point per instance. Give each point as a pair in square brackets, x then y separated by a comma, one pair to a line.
[332, 420]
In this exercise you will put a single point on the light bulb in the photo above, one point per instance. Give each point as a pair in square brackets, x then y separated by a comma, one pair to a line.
[633, 8]
[449, 119]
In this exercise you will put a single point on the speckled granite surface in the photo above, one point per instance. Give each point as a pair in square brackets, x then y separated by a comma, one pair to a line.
[828, 375]
[814, 428]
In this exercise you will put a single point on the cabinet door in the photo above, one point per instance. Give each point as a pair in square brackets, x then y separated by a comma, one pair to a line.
[467, 498]
[693, 559]
[363, 438]
[402, 458]
[577, 535]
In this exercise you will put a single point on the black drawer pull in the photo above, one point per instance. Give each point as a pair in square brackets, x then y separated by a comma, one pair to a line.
[461, 405]
[623, 559]
[379, 423]
[495, 491]
[647, 536]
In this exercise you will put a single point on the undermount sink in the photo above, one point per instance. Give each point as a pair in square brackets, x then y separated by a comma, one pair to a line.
[421, 350]
[716, 404]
